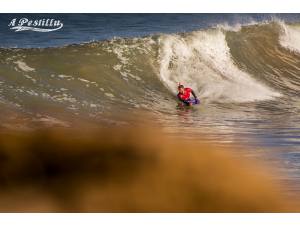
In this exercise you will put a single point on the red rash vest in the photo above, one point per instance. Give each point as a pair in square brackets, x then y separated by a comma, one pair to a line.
[186, 95]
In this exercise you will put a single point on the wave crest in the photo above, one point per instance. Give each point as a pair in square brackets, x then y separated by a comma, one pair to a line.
[202, 60]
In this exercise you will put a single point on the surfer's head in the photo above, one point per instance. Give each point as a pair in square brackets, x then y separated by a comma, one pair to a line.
[181, 88]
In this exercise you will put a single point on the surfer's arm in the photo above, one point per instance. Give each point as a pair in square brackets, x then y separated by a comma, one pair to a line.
[193, 93]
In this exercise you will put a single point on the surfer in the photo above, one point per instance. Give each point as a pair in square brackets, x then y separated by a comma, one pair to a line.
[184, 95]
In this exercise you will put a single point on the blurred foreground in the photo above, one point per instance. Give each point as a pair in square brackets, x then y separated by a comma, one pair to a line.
[129, 169]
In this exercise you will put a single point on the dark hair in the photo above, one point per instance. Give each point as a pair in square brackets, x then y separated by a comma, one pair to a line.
[180, 86]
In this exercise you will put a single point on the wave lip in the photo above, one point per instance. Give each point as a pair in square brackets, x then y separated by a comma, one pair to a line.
[290, 37]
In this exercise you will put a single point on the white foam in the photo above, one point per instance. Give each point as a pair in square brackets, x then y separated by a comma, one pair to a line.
[123, 52]
[290, 37]
[64, 98]
[84, 80]
[88, 82]
[237, 26]
[117, 67]
[23, 66]
[30, 78]
[202, 61]
[32, 92]
[62, 76]
[52, 121]
[109, 95]
[227, 27]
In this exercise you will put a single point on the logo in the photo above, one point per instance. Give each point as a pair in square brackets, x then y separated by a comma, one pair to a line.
[41, 25]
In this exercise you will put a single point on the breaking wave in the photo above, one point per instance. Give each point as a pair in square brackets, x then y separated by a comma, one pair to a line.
[252, 63]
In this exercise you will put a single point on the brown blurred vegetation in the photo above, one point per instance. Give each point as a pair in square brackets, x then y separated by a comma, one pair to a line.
[129, 169]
